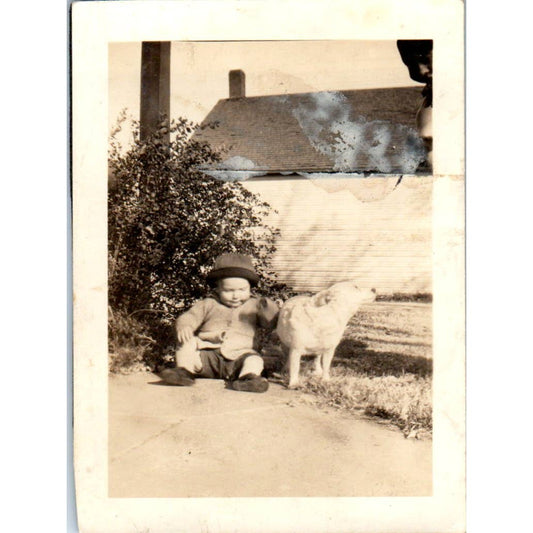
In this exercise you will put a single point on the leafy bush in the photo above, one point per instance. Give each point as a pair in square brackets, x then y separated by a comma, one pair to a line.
[167, 222]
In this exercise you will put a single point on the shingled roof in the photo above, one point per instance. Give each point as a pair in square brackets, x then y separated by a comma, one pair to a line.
[370, 130]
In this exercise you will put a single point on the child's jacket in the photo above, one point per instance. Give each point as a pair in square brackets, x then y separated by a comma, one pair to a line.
[232, 330]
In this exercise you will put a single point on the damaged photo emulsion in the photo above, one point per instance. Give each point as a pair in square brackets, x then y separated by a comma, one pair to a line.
[277, 193]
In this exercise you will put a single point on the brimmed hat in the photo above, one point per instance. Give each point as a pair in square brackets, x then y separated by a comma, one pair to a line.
[233, 266]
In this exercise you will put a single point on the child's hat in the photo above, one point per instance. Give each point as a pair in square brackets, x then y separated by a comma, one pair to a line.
[233, 266]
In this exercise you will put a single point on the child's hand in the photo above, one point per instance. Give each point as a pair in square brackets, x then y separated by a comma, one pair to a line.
[184, 334]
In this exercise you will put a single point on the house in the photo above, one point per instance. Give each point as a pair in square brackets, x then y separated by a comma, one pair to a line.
[307, 155]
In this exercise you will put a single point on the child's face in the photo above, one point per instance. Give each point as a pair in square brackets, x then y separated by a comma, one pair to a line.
[233, 292]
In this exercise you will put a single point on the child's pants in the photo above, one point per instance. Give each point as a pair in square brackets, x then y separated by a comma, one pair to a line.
[205, 360]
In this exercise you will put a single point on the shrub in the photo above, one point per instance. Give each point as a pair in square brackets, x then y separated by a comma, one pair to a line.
[167, 222]
[419, 297]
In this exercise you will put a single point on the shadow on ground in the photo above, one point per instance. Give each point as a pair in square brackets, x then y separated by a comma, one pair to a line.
[354, 355]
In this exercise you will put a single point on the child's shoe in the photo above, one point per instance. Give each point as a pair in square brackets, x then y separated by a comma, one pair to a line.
[250, 383]
[177, 376]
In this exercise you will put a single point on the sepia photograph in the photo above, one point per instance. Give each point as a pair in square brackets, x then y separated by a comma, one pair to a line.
[282, 234]
[281, 244]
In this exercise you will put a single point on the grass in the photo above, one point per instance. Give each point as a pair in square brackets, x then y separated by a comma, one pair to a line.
[404, 401]
[132, 344]
[382, 368]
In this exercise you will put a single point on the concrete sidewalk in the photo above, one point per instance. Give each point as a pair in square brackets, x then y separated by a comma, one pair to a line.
[208, 441]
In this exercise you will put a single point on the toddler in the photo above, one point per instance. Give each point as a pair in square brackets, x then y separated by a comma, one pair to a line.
[217, 337]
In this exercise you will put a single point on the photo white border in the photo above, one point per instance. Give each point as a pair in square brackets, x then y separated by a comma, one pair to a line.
[94, 26]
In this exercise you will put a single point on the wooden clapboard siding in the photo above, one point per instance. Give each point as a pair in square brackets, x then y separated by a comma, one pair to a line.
[375, 233]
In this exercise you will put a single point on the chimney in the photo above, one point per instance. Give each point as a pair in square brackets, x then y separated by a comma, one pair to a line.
[237, 84]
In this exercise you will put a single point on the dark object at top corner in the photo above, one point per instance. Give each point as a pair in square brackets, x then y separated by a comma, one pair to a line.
[417, 55]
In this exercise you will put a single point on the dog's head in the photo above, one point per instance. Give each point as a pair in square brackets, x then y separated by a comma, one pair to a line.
[346, 294]
[268, 312]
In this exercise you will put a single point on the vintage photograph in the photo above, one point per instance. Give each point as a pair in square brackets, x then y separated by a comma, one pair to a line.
[268, 266]
[270, 232]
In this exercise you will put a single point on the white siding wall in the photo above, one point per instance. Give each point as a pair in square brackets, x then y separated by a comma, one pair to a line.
[362, 229]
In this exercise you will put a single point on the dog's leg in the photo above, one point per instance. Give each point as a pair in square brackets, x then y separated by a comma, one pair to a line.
[294, 367]
[326, 363]
[318, 365]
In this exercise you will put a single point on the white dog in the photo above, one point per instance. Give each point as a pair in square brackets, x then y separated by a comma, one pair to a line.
[313, 325]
